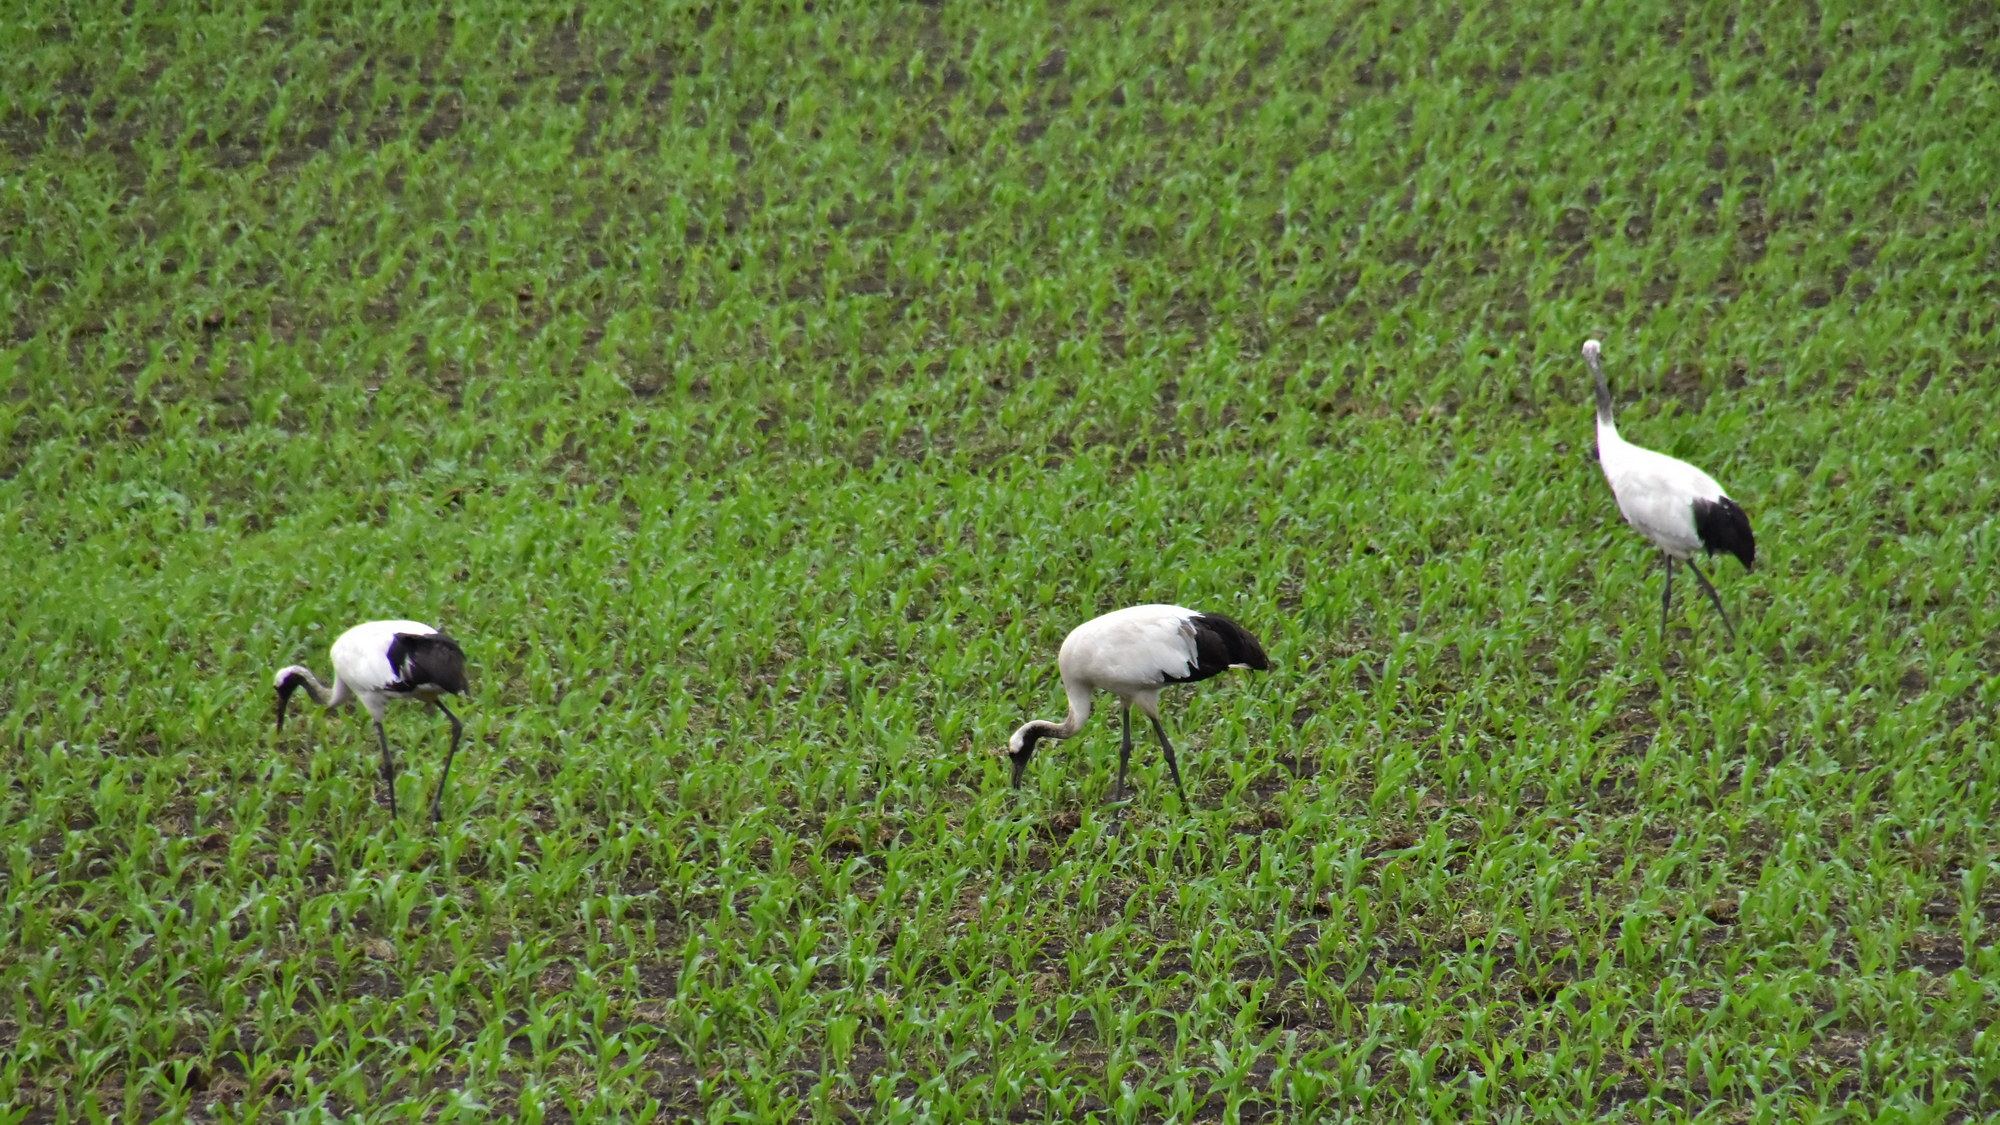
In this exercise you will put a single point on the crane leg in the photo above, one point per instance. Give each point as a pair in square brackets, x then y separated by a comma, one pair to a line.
[388, 767]
[1666, 595]
[1714, 597]
[1124, 754]
[1172, 766]
[457, 730]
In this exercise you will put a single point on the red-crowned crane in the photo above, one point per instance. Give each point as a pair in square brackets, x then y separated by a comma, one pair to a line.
[376, 662]
[1134, 653]
[1675, 505]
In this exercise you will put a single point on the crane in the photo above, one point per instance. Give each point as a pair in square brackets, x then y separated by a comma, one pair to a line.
[379, 661]
[1133, 654]
[1676, 506]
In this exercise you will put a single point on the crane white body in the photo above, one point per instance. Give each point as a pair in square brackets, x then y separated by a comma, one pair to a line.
[380, 661]
[1134, 654]
[1677, 507]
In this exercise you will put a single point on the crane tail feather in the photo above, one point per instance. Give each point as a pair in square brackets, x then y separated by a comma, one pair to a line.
[421, 659]
[1724, 528]
[1221, 644]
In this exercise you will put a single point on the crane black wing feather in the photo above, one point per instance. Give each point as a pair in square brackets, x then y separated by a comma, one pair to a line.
[1221, 644]
[420, 660]
[1724, 528]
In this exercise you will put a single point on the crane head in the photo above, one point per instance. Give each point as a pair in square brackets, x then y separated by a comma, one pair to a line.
[287, 681]
[1021, 746]
[1591, 350]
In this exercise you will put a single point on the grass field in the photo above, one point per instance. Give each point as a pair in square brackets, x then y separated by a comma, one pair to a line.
[760, 395]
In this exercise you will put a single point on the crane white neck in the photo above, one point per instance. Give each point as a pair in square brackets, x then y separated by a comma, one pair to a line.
[1021, 746]
[1079, 713]
[1034, 730]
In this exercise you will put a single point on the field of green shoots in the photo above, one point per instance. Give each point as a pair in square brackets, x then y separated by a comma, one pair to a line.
[761, 392]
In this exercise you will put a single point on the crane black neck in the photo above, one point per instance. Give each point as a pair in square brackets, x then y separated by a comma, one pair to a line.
[1603, 396]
